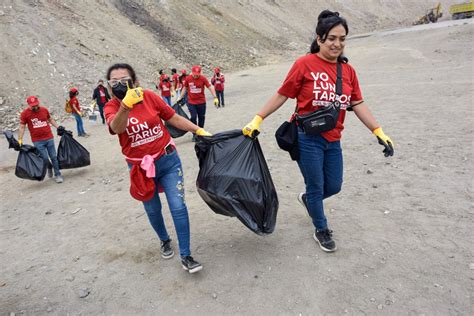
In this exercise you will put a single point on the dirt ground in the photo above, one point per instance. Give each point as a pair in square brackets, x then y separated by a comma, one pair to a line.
[403, 225]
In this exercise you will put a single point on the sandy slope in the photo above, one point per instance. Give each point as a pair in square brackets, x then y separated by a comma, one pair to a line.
[404, 230]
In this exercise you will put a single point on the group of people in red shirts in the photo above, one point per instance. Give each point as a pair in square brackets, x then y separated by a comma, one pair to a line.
[136, 116]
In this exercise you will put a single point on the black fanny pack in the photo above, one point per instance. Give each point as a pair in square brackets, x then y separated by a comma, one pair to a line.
[323, 119]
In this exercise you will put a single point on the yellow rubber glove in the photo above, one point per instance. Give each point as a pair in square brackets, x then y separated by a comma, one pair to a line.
[20, 141]
[252, 129]
[202, 132]
[80, 113]
[385, 141]
[132, 97]
[216, 101]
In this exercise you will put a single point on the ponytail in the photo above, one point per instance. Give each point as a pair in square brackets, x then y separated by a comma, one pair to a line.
[314, 48]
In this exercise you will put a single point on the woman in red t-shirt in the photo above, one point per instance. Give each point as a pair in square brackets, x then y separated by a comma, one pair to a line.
[76, 111]
[136, 115]
[312, 81]
[166, 90]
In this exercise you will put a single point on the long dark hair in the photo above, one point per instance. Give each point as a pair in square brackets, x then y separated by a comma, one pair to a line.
[131, 72]
[327, 20]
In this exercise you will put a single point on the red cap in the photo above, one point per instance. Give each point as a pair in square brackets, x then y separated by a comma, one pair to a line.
[183, 71]
[32, 101]
[196, 70]
[217, 70]
[73, 90]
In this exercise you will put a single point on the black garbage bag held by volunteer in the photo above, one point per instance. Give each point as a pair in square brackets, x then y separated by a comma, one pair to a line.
[12, 142]
[234, 180]
[175, 132]
[30, 164]
[71, 154]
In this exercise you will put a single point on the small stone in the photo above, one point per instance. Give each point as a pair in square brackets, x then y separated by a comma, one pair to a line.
[27, 286]
[84, 292]
[372, 299]
[49, 309]
[70, 278]
[76, 210]
[388, 302]
[75, 259]
[255, 276]
[47, 213]
[85, 270]
[386, 212]
[369, 171]
[214, 295]
[471, 266]
[374, 186]
[380, 306]
[142, 273]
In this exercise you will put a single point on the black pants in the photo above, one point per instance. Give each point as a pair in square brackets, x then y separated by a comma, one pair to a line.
[101, 110]
[198, 111]
[220, 97]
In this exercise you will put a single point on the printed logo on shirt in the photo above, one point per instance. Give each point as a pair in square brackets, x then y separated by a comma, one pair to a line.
[37, 123]
[325, 91]
[140, 133]
[165, 88]
[193, 88]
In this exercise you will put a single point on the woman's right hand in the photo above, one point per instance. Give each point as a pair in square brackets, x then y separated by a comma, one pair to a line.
[252, 129]
[132, 97]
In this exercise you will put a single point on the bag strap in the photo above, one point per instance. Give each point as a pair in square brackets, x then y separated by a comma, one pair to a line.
[339, 79]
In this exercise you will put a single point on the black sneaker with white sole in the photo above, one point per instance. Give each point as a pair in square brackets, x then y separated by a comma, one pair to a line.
[324, 238]
[166, 250]
[190, 265]
[302, 200]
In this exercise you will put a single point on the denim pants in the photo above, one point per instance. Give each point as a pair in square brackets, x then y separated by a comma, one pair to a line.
[321, 165]
[169, 175]
[80, 125]
[167, 100]
[198, 111]
[220, 97]
[46, 148]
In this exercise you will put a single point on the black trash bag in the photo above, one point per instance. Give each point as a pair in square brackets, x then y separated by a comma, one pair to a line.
[30, 164]
[71, 154]
[175, 132]
[12, 142]
[234, 180]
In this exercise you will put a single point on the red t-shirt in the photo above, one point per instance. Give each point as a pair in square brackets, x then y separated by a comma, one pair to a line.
[38, 123]
[145, 133]
[312, 81]
[195, 88]
[74, 101]
[175, 79]
[218, 82]
[165, 88]
[103, 99]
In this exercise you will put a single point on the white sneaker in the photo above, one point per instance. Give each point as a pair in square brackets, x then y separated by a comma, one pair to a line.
[59, 179]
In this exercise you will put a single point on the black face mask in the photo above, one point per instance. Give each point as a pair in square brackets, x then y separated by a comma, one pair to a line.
[121, 90]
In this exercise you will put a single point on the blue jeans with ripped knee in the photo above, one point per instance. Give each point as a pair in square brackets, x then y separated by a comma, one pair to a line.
[169, 175]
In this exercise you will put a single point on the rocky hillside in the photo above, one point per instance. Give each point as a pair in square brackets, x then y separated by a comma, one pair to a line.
[49, 45]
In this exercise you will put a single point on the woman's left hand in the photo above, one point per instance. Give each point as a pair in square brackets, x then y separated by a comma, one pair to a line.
[385, 141]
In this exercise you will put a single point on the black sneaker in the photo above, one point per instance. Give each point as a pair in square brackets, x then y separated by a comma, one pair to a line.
[324, 239]
[190, 265]
[166, 250]
[302, 200]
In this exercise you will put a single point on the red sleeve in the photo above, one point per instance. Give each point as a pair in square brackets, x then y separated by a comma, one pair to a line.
[356, 94]
[206, 82]
[185, 83]
[48, 115]
[165, 111]
[23, 117]
[110, 109]
[222, 79]
[294, 80]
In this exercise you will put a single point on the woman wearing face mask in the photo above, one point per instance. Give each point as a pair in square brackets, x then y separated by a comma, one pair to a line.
[76, 111]
[312, 81]
[136, 115]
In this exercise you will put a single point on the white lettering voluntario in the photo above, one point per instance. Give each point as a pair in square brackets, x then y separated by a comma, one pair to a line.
[141, 133]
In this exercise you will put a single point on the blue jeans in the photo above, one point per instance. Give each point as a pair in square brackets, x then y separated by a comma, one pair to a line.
[80, 125]
[321, 165]
[198, 111]
[220, 97]
[46, 148]
[169, 174]
[167, 100]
